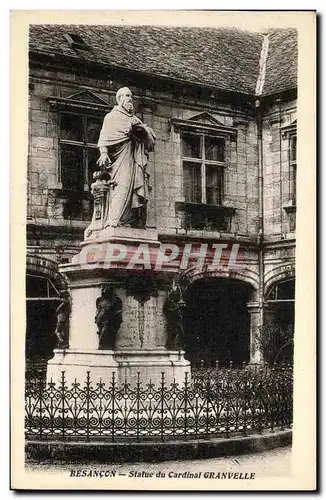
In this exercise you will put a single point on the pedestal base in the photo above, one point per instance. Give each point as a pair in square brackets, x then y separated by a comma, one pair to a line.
[126, 364]
[121, 234]
[150, 364]
[75, 363]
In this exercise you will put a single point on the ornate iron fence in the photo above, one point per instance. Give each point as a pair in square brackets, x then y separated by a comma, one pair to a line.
[213, 403]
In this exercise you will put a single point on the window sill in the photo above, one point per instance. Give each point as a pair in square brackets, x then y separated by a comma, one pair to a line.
[68, 193]
[197, 208]
[204, 217]
[290, 206]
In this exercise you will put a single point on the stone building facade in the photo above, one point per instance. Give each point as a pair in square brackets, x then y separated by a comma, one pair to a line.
[223, 106]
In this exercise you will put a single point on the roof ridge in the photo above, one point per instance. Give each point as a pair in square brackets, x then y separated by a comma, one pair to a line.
[262, 66]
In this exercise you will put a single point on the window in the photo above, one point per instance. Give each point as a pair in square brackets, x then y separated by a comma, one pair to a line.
[39, 287]
[78, 150]
[203, 159]
[282, 291]
[293, 168]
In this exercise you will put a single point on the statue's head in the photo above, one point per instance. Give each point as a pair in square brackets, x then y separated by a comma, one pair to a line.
[107, 290]
[124, 99]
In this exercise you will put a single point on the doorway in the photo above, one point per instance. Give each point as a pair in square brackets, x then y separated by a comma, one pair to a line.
[216, 322]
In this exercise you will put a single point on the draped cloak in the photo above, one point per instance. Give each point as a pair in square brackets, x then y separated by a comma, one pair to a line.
[128, 151]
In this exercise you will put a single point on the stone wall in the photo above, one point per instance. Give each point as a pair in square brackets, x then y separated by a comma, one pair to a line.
[279, 215]
[60, 237]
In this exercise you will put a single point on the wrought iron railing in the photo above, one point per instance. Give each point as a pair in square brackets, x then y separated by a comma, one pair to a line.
[214, 403]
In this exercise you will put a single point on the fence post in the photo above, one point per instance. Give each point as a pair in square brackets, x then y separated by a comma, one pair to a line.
[162, 406]
[113, 405]
[41, 409]
[63, 402]
[87, 404]
[227, 396]
[282, 398]
[137, 404]
[207, 402]
[186, 401]
[246, 403]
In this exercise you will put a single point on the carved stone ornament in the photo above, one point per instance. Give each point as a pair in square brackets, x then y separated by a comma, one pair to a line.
[63, 313]
[100, 189]
[173, 311]
[108, 317]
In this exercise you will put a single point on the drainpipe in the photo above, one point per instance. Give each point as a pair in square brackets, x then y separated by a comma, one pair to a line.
[279, 102]
[260, 236]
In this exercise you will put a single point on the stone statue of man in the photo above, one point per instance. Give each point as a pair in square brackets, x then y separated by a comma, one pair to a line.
[173, 310]
[124, 144]
[108, 317]
[63, 312]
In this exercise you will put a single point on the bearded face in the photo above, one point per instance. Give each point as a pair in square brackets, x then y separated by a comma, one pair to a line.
[126, 103]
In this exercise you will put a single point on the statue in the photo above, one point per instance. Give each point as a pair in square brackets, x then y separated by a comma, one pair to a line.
[63, 312]
[108, 317]
[124, 144]
[172, 309]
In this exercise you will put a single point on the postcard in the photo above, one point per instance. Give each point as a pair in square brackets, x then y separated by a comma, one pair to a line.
[163, 250]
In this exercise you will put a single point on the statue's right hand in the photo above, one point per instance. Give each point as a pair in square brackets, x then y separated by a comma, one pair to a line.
[104, 160]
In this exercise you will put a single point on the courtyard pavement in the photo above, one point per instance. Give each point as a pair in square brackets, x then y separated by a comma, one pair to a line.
[275, 463]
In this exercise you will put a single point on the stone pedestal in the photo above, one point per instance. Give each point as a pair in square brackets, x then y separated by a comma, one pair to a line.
[150, 364]
[75, 363]
[140, 342]
[125, 364]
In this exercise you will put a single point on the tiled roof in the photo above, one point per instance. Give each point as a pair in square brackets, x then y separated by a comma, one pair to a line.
[225, 59]
[282, 61]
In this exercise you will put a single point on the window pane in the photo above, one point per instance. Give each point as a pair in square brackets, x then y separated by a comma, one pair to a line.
[72, 169]
[214, 149]
[192, 182]
[214, 185]
[92, 157]
[71, 127]
[293, 149]
[191, 146]
[94, 126]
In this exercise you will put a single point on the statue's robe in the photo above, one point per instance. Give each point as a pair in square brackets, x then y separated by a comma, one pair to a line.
[128, 150]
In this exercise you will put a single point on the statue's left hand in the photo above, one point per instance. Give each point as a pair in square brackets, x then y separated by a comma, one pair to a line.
[104, 160]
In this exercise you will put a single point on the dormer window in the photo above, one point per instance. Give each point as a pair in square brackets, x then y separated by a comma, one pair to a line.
[75, 41]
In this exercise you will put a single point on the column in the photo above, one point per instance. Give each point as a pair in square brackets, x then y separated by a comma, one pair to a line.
[256, 347]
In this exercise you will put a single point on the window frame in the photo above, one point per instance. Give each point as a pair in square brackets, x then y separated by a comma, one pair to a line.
[203, 162]
[289, 133]
[84, 145]
[292, 168]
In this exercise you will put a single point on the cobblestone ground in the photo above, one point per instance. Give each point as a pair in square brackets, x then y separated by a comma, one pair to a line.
[275, 463]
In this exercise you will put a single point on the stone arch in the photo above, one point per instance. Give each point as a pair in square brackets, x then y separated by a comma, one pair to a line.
[38, 265]
[41, 311]
[201, 273]
[217, 315]
[279, 273]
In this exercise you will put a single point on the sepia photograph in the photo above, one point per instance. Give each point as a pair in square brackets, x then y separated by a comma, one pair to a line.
[159, 196]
